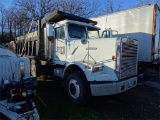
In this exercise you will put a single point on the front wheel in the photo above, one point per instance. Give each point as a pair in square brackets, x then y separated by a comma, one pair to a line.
[77, 88]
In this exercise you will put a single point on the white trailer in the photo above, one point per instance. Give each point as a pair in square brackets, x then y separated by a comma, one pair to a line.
[70, 47]
[140, 23]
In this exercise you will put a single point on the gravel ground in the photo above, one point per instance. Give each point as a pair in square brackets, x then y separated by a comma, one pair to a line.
[139, 103]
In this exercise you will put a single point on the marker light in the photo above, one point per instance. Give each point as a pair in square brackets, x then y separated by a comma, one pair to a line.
[87, 67]
[52, 41]
[113, 57]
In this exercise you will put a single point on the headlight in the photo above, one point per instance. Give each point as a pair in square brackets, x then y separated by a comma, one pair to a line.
[94, 67]
[97, 68]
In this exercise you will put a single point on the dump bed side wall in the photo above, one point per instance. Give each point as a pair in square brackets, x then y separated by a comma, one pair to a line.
[34, 45]
[27, 45]
[136, 23]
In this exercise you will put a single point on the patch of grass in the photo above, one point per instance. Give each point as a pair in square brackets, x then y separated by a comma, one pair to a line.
[58, 105]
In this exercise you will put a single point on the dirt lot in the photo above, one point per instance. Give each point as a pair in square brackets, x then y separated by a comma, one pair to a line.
[139, 103]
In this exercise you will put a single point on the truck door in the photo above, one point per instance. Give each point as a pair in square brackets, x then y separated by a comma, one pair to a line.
[60, 44]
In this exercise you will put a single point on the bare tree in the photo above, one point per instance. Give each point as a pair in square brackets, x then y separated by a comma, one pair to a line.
[16, 23]
[2, 22]
[29, 9]
[111, 7]
[22, 22]
[145, 2]
[32, 8]
[158, 2]
[41, 8]
[119, 6]
[35, 7]
[84, 8]
[9, 22]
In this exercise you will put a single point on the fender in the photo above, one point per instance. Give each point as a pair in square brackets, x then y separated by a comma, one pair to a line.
[76, 66]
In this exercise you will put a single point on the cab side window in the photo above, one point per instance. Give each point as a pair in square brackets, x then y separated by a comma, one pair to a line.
[60, 34]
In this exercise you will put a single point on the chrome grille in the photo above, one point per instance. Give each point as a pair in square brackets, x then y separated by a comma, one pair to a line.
[128, 61]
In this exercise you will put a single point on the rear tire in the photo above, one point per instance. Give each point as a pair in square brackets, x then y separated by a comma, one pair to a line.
[35, 68]
[77, 88]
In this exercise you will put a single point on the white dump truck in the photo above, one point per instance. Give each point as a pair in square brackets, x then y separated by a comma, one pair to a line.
[69, 47]
[141, 23]
[16, 86]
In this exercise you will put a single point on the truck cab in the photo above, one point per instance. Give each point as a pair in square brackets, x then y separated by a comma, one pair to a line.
[66, 33]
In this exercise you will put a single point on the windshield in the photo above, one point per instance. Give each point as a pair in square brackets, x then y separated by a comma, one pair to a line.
[93, 34]
[76, 31]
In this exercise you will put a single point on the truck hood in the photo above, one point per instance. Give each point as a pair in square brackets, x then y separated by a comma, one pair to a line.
[98, 50]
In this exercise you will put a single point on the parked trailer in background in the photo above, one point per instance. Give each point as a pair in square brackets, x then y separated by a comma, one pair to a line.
[141, 23]
[69, 47]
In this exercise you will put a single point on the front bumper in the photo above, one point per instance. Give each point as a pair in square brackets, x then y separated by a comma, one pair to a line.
[113, 88]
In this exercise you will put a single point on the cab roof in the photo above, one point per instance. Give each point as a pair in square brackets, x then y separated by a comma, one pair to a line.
[77, 23]
[57, 16]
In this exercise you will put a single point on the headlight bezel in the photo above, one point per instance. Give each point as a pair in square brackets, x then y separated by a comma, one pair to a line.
[95, 67]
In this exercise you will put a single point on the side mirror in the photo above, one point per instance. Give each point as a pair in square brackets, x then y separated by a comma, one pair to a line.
[50, 32]
[108, 33]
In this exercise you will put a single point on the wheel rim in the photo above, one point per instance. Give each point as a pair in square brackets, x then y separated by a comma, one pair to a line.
[74, 88]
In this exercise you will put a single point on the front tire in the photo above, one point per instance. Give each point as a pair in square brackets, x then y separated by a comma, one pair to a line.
[77, 88]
